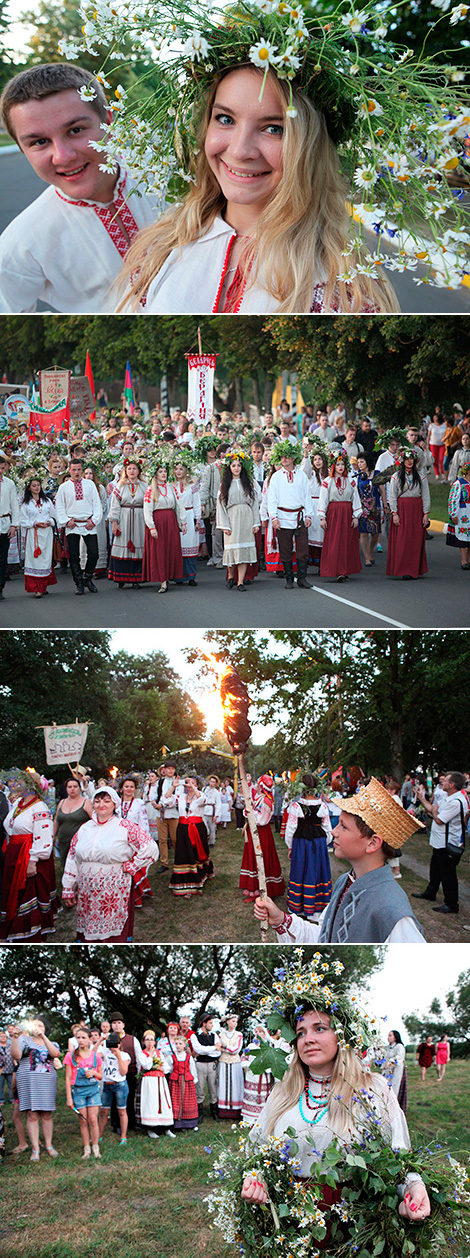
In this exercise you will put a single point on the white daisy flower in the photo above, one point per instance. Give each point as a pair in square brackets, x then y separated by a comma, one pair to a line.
[289, 59]
[365, 177]
[369, 107]
[441, 4]
[382, 30]
[87, 92]
[263, 54]
[459, 14]
[196, 47]
[68, 49]
[291, 111]
[354, 21]
[354, 70]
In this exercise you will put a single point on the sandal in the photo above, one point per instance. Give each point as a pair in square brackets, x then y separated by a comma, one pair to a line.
[163, 588]
[34, 1156]
[21, 1148]
[51, 1151]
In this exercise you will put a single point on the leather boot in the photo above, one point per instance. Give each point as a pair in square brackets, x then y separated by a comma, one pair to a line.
[78, 577]
[302, 577]
[215, 1113]
[200, 1113]
[90, 585]
[289, 575]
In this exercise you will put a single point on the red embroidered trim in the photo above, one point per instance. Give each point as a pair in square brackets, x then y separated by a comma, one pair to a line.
[215, 308]
[78, 489]
[110, 215]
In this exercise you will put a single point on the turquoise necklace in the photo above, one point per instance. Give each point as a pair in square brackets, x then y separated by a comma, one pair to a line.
[318, 1105]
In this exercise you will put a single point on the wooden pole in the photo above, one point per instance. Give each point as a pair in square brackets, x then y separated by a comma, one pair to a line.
[199, 340]
[256, 841]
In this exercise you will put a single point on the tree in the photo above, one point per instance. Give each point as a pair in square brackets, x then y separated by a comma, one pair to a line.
[149, 985]
[436, 1023]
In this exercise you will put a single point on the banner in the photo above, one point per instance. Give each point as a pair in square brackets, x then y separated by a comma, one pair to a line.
[81, 400]
[53, 386]
[91, 382]
[129, 399]
[201, 368]
[10, 391]
[64, 743]
[52, 421]
[16, 410]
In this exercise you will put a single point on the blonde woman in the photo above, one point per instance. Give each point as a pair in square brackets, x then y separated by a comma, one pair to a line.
[126, 514]
[165, 518]
[328, 1093]
[265, 222]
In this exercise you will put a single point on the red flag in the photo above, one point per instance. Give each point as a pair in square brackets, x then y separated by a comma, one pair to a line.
[52, 421]
[91, 382]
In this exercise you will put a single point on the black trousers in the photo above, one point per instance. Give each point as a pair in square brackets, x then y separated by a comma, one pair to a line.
[444, 870]
[91, 543]
[286, 544]
[4, 545]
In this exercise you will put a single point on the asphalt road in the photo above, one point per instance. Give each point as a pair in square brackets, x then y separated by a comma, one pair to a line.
[369, 600]
[21, 186]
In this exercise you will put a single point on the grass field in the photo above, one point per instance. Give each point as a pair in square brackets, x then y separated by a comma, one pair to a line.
[220, 914]
[439, 501]
[147, 1201]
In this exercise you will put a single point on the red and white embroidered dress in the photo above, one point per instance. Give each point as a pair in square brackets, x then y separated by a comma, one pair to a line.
[100, 867]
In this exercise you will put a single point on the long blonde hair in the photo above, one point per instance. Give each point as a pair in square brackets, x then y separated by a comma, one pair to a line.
[300, 234]
[347, 1079]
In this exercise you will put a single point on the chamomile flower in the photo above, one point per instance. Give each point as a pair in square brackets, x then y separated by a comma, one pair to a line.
[365, 176]
[263, 54]
[459, 14]
[369, 107]
[87, 92]
[354, 21]
[196, 47]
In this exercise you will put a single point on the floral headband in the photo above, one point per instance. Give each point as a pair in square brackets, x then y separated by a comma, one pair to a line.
[243, 458]
[317, 985]
[400, 119]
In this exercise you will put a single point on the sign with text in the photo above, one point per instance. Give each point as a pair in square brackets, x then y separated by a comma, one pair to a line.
[81, 401]
[10, 392]
[53, 386]
[201, 369]
[64, 743]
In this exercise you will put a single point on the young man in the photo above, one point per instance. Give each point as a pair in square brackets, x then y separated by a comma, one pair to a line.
[206, 1048]
[9, 518]
[290, 509]
[169, 815]
[79, 511]
[367, 905]
[448, 814]
[67, 247]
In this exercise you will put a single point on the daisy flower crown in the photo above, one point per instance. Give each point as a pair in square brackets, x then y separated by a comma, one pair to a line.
[334, 456]
[316, 985]
[400, 119]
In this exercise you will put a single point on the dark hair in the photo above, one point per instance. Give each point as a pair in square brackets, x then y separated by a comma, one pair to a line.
[309, 780]
[324, 467]
[42, 1017]
[28, 494]
[39, 82]
[227, 478]
[169, 764]
[401, 474]
[72, 779]
[129, 778]
[75, 460]
[398, 1039]
[458, 780]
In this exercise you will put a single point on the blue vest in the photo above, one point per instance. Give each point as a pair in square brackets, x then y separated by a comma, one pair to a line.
[369, 911]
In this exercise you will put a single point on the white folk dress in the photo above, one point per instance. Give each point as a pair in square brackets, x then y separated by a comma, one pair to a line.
[156, 1109]
[231, 1082]
[102, 535]
[240, 514]
[39, 541]
[127, 510]
[190, 500]
[99, 869]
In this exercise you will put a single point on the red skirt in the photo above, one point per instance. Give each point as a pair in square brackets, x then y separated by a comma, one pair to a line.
[184, 1102]
[340, 554]
[248, 883]
[406, 552]
[163, 560]
[38, 585]
[37, 903]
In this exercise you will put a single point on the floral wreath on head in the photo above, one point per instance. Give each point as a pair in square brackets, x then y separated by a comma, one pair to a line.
[406, 452]
[334, 457]
[400, 121]
[207, 442]
[390, 434]
[185, 455]
[243, 457]
[464, 467]
[286, 450]
[318, 447]
[161, 460]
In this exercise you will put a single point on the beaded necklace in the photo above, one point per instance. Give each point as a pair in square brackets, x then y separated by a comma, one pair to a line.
[318, 1105]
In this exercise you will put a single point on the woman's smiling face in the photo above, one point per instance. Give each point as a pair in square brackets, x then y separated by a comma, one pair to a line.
[244, 139]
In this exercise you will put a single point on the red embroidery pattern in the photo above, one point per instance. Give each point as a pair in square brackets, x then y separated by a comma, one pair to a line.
[114, 217]
[78, 489]
[215, 308]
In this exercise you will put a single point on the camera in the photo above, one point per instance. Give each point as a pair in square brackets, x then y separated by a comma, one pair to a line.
[113, 1040]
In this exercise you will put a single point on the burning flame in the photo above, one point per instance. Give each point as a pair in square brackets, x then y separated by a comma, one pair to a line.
[114, 772]
[211, 704]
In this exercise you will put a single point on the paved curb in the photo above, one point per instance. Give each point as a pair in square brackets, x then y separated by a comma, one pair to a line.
[437, 526]
[8, 148]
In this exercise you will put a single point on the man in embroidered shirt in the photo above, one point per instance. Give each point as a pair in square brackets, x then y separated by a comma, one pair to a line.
[79, 511]
[67, 247]
[367, 905]
[290, 509]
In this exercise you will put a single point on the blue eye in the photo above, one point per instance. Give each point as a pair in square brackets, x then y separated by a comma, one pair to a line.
[275, 129]
[223, 119]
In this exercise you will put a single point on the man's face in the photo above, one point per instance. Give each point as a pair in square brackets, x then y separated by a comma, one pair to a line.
[75, 471]
[207, 1026]
[117, 1025]
[54, 134]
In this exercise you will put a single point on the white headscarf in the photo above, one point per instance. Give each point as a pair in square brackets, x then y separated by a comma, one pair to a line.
[109, 790]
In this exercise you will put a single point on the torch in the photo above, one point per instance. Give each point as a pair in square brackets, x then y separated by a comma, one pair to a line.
[237, 730]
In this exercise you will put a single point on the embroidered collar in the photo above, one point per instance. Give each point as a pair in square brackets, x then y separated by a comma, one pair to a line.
[99, 205]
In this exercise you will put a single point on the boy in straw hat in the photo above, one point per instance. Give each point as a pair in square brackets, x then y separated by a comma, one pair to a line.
[367, 905]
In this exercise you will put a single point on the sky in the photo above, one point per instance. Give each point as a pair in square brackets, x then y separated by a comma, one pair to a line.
[143, 641]
[412, 976]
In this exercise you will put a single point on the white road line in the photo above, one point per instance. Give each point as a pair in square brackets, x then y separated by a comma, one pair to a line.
[358, 606]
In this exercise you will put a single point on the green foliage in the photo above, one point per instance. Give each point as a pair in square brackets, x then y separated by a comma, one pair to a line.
[436, 1023]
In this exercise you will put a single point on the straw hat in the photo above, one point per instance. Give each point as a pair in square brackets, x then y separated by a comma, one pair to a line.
[382, 813]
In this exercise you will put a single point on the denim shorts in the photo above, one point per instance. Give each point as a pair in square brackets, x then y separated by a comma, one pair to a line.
[86, 1094]
[119, 1090]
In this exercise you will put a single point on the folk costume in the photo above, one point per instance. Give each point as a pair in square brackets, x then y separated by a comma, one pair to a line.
[134, 810]
[29, 901]
[263, 806]
[239, 514]
[406, 551]
[371, 518]
[231, 1082]
[210, 485]
[257, 1087]
[339, 502]
[68, 253]
[38, 560]
[206, 1048]
[153, 1101]
[290, 502]
[102, 536]
[151, 798]
[9, 516]
[192, 865]
[99, 869]
[182, 1083]
[127, 550]
[308, 832]
[212, 812]
[190, 500]
[163, 560]
[79, 500]
[458, 528]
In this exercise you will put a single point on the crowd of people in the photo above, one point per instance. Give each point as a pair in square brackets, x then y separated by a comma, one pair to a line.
[140, 501]
[159, 1083]
[106, 836]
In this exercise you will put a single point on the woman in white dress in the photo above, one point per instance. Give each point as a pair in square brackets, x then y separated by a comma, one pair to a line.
[126, 514]
[231, 1081]
[319, 465]
[257, 1087]
[154, 1110]
[238, 517]
[104, 856]
[150, 798]
[188, 494]
[394, 1068]
[339, 509]
[226, 797]
[37, 518]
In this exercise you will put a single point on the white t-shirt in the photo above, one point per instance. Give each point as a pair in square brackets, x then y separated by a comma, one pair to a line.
[449, 811]
[111, 1071]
